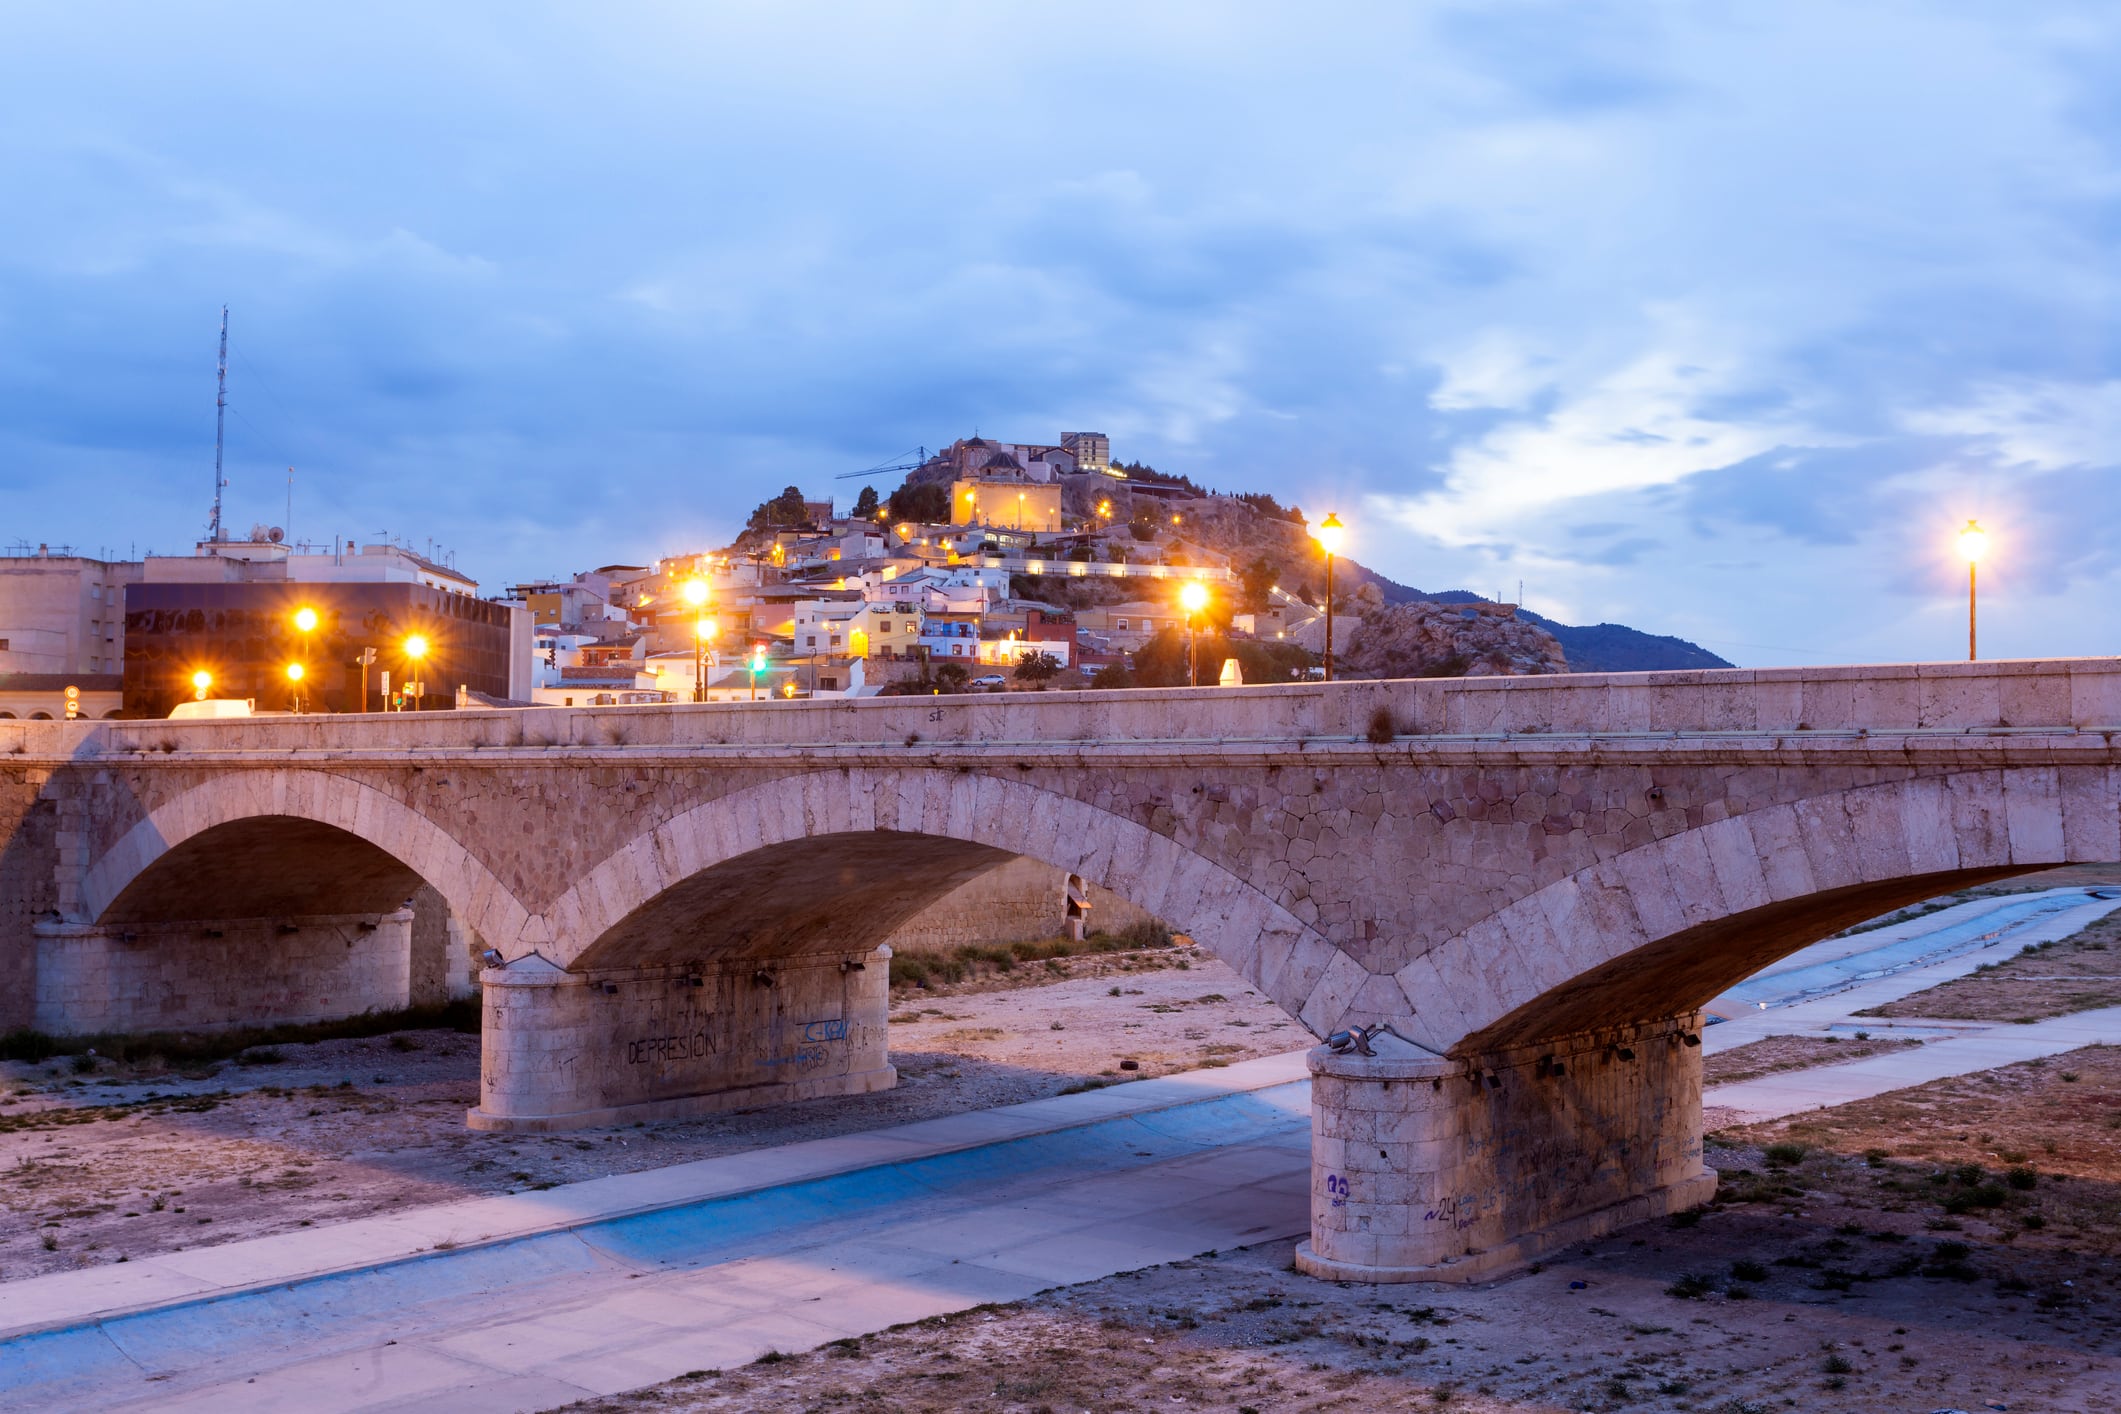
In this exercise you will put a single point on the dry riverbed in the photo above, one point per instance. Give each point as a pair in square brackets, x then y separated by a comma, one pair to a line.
[117, 1164]
[1880, 1257]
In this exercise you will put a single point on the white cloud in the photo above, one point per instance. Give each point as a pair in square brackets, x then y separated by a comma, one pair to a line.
[2044, 426]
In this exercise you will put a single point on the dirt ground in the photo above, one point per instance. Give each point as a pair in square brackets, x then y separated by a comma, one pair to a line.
[1780, 1053]
[117, 1164]
[1866, 1267]
[2077, 973]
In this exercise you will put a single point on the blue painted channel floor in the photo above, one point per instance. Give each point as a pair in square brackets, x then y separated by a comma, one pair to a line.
[538, 1299]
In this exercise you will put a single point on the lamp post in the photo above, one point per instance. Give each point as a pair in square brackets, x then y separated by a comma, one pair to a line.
[416, 653]
[1973, 541]
[696, 596]
[305, 624]
[1195, 598]
[1329, 533]
[294, 687]
[201, 681]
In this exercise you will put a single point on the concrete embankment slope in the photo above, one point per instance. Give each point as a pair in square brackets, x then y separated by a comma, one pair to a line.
[538, 1299]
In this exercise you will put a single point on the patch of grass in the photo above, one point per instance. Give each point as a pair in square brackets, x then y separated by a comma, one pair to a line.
[1692, 1287]
[180, 1048]
[1785, 1153]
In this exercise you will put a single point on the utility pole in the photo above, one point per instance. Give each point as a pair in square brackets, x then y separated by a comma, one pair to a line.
[213, 527]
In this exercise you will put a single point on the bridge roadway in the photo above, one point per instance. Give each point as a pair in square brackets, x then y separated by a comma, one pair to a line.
[1537, 882]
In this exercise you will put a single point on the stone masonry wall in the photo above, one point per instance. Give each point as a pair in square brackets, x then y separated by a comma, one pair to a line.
[431, 939]
[1436, 1169]
[199, 976]
[28, 861]
[564, 1051]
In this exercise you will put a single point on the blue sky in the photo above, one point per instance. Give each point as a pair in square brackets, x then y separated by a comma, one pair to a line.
[1716, 320]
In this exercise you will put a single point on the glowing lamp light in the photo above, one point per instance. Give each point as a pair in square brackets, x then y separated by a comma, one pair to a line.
[306, 619]
[1329, 534]
[695, 592]
[201, 681]
[1973, 542]
[704, 629]
[294, 672]
[416, 647]
[1194, 596]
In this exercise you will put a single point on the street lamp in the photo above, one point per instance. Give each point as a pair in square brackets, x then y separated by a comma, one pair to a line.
[294, 686]
[1973, 543]
[305, 619]
[1195, 598]
[1329, 534]
[201, 681]
[696, 595]
[416, 651]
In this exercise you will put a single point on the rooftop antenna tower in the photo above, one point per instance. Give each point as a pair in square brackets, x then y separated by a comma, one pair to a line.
[213, 527]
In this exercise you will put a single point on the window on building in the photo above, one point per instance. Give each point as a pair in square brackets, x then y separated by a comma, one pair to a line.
[1122, 623]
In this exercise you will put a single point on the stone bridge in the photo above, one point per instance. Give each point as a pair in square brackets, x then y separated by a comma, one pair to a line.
[1537, 882]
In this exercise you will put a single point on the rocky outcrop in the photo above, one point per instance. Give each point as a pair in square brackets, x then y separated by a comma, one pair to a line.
[1428, 640]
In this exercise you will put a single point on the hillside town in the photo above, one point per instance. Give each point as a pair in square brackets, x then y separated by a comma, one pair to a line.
[995, 565]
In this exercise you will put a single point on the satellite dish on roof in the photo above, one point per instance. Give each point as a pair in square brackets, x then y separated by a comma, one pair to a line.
[276, 535]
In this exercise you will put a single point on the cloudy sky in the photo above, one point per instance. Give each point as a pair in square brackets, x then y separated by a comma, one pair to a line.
[1715, 320]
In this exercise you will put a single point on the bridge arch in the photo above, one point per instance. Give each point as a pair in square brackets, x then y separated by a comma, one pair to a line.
[1660, 930]
[263, 837]
[884, 844]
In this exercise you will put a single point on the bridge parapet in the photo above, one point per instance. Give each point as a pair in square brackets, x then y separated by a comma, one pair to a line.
[2069, 695]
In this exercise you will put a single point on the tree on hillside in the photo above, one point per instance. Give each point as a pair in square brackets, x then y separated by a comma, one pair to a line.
[1257, 578]
[926, 504]
[865, 504]
[952, 677]
[781, 512]
[1161, 662]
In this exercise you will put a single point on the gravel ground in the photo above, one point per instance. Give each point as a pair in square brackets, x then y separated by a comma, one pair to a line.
[1776, 1054]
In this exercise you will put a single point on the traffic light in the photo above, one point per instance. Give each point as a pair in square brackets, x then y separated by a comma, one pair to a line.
[758, 658]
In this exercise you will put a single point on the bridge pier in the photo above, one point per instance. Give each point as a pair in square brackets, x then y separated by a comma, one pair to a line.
[209, 973]
[571, 1050]
[1429, 1168]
